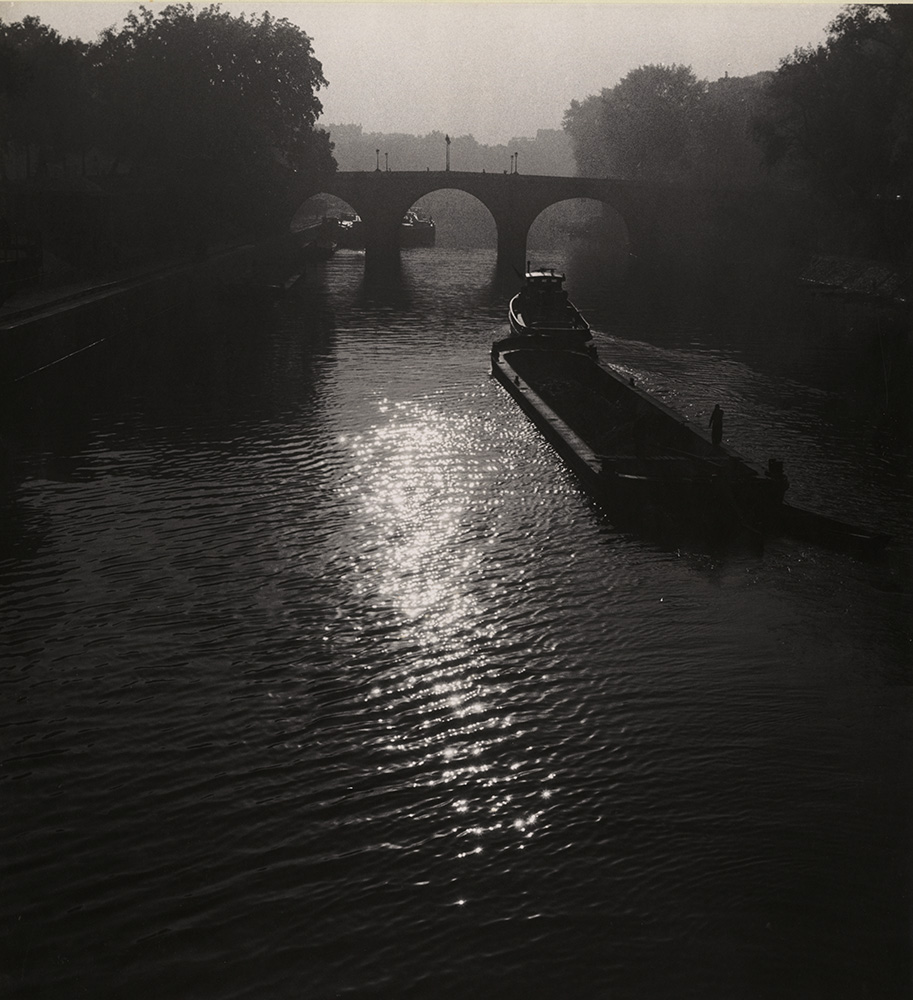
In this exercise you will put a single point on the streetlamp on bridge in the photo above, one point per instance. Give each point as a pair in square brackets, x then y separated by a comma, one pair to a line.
[447, 141]
[377, 160]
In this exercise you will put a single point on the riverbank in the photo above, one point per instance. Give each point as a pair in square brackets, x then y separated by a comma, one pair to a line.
[43, 327]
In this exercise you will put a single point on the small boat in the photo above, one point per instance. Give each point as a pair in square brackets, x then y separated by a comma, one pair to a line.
[319, 240]
[319, 249]
[417, 230]
[541, 309]
[647, 466]
[350, 231]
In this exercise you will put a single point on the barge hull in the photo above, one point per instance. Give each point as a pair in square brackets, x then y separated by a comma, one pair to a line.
[709, 509]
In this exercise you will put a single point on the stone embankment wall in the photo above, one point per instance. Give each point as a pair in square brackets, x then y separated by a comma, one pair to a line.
[46, 329]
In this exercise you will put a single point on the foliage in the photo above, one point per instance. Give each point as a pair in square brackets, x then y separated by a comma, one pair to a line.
[649, 120]
[210, 84]
[833, 122]
[43, 93]
[724, 148]
[211, 107]
[204, 117]
[583, 122]
[840, 116]
[641, 128]
[661, 123]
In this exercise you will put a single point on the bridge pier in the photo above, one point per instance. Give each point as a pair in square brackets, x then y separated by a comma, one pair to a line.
[382, 237]
[512, 250]
[513, 221]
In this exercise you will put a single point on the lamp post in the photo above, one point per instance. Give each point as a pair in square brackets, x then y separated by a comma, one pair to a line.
[447, 140]
[377, 156]
[386, 161]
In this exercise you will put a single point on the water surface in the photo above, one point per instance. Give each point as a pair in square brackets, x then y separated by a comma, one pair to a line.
[322, 678]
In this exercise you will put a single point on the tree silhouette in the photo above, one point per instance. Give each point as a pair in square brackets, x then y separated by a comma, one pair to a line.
[215, 111]
[44, 97]
[840, 117]
[641, 129]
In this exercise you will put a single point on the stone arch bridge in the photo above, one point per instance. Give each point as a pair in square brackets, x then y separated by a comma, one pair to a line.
[382, 198]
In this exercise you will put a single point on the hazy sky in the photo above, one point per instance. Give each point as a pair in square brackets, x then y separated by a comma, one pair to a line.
[495, 70]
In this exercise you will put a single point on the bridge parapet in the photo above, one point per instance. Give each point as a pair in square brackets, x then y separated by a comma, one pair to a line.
[364, 189]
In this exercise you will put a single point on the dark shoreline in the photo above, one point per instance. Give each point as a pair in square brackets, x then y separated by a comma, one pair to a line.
[44, 326]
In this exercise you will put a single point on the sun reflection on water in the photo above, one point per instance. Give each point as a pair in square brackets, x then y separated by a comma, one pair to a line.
[447, 712]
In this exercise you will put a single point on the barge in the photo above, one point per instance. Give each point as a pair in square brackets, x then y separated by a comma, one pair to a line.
[649, 468]
[644, 463]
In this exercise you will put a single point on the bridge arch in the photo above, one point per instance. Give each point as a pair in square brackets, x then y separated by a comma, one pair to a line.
[461, 218]
[574, 223]
[317, 205]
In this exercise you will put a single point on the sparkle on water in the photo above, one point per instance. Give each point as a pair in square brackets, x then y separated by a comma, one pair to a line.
[322, 678]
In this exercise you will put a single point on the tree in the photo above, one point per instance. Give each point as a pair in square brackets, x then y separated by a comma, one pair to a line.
[216, 111]
[641, 129]
[44, 98]
[583, 122]
[725, 151]
[650, 121]
[840, 116]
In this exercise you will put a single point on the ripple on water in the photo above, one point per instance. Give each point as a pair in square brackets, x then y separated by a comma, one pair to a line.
[351, 663]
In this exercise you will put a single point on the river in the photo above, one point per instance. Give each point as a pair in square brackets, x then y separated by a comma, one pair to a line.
[321, 678]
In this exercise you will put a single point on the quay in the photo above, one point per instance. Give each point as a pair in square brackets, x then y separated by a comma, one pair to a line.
[42, 327]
